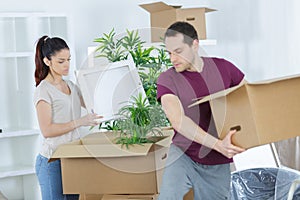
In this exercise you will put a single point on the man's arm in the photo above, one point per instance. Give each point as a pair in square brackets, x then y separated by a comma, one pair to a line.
[185, 126]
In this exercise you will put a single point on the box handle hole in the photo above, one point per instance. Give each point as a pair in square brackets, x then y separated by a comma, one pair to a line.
[237, 128]
[190, 19]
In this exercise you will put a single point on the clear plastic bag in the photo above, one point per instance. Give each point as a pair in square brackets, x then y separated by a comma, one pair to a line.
[264, 184]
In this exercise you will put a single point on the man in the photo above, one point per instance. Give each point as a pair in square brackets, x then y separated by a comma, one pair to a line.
[197, 158]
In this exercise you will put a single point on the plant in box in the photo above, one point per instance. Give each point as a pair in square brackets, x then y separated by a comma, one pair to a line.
[139, 122]
[150, 62]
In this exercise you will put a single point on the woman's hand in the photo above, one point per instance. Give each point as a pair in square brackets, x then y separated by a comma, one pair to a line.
[88, 120]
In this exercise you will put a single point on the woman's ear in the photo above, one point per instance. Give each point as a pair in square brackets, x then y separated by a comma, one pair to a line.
[47, 61]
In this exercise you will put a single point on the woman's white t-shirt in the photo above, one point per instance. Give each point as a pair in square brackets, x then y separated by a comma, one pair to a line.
[65, 108]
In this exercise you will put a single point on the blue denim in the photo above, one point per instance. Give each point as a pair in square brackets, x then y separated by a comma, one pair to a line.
[182, 173]
[49, 176]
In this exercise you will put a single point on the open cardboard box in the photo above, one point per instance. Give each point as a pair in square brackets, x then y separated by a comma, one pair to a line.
[163, 15]
[96, 165]
[266, 111]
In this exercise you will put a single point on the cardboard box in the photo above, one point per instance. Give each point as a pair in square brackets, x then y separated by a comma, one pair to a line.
[163, 15]
[267, 111]
[95, 165]
[188, 196]
[90, 197]
[131, 197]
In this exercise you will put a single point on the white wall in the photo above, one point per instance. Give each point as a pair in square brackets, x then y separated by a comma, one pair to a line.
[259, 36]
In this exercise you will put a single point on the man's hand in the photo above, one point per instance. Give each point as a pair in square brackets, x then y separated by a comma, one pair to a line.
[226, 147]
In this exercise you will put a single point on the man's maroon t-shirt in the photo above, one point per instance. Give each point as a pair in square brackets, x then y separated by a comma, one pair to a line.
[217, 74]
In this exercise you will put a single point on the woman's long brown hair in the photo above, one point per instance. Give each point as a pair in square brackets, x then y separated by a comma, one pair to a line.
[46, 47]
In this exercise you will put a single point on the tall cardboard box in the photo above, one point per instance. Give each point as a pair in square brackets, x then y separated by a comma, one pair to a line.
[266, 111]
[163, 15]
[96, 165]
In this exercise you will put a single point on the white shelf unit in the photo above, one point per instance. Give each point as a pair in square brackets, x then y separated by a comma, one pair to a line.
[21, 148]
[20, 137]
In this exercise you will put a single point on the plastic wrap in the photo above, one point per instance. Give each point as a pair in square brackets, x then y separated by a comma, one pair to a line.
[264, 184]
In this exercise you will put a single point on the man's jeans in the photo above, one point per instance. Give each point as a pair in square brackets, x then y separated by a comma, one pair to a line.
[182, 173]
[49, 176]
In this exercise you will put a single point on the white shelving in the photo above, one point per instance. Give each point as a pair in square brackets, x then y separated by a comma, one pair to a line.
[20, 137]
[16, 171]
[15, 54]
[18, 133]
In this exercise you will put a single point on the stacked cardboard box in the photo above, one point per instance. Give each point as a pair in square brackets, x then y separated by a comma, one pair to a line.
[96, 165]
[163, 15]
[188, 196]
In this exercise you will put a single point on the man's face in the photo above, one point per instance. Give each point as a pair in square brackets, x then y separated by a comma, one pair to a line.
[181, 54]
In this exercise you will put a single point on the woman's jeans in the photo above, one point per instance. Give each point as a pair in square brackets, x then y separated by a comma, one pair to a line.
[49, 176]
[182, 173]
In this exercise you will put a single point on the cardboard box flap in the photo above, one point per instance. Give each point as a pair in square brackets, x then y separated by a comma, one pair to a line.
[209, 10]
[110, 138]
[167, 138]
[102, 144]
[157, 7]
[229, 90]
[268, 81]
[206, 9]
[100, 151]
[217, 95]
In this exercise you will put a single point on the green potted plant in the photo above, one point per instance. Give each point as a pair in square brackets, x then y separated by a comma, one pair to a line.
[139, 121]
[143, 117]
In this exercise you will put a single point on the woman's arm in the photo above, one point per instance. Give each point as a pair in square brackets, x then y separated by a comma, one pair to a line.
[50, 129]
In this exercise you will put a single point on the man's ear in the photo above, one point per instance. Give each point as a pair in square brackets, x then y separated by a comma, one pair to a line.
[196, 45]
[46, 61]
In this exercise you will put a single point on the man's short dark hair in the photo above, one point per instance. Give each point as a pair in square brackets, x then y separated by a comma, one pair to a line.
[188, 31]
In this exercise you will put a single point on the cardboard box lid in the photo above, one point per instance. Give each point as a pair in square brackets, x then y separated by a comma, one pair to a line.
[99, 145]
[158, 6]
[226, 92]
[105, 89]
[216, 95]
[161, 6]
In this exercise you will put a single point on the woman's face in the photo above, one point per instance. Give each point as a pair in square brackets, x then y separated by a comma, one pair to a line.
[60, 62]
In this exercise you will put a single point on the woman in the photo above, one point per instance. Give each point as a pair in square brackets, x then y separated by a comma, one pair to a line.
[58, 104]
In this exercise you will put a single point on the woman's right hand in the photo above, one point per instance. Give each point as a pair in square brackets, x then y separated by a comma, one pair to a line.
[89, 120]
